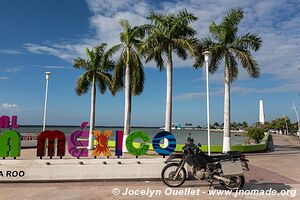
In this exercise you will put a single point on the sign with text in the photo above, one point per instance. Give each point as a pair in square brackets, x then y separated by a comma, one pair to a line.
[10, 142]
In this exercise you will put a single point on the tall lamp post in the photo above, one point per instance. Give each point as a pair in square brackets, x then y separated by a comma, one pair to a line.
[294, 107]
[46, 99]
[207, 55]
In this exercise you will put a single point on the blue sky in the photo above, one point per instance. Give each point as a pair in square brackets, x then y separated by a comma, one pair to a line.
[39, 36]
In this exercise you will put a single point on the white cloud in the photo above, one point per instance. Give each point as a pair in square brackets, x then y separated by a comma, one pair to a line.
[294, 87]
[8, 106]
[277, 22]
[54, 51]
[4, 78]
[188, 96]
[10, 51]
[55, 67]
[13, 69]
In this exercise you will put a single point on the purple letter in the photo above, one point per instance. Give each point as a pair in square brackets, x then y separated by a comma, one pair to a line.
[78, 141]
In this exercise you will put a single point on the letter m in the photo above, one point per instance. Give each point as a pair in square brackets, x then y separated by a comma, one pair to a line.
[51, 136]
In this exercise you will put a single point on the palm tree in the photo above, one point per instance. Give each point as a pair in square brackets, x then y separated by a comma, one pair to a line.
[96, 73]
[130, 67]
[225, 45]
[169, 34]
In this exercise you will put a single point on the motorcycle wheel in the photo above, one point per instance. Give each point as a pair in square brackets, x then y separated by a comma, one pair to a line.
[236, 183]
[168, 173]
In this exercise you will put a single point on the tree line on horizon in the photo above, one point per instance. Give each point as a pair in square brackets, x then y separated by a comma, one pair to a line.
[159, 40]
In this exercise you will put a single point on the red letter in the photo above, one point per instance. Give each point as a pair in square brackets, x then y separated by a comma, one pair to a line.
[51, 136]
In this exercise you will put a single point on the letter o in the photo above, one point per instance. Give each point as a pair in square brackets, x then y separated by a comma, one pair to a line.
[21, 173]
[168, 191]
[15, 173]
[171, 145]
[129, 143]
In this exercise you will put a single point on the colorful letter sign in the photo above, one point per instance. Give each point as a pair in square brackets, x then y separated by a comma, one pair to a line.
[10, 144]
[119, 143]
[102, 140]
[51, 136]
[4, 122]
[137, 135]
[78, 141]
[171, 144]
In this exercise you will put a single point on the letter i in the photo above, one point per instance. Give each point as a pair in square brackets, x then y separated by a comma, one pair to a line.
[119, 142]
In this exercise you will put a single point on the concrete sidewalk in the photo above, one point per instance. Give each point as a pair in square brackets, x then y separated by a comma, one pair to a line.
[277, 170]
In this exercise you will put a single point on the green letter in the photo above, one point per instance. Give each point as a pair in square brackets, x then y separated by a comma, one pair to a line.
[129, 143]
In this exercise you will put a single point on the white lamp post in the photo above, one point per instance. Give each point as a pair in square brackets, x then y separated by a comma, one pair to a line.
[207, 58]
[46, 99]
[294, 107]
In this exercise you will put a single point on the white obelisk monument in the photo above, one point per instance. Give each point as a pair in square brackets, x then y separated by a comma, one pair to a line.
[261, 112]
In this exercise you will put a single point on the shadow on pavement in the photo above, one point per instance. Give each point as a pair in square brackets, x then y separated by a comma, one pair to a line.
[254, 185]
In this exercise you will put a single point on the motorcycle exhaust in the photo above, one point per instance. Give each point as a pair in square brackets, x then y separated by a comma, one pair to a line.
[227, 180]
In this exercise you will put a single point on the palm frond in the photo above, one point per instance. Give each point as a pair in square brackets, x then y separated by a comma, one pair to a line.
[137, 73]
[216, 31]
[119, 72]
[233, 67]
[232, 19]
[80, 63]
[248, 41]
[103, 81]
[172, 30]
[217, 54]
[91, 56]
[189, 44]
[156, 18]
[97, 65]
[247, 61]
[82, 84]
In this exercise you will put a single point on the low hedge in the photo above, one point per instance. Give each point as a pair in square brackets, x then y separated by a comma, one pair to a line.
[245, 148]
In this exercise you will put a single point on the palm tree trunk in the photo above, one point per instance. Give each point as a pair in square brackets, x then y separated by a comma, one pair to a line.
[226, 137]
[168, 119]
[92, 116]
[127, 114]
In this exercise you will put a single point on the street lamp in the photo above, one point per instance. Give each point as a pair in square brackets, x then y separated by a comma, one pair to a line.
[294, 107]
[207, 55]
[46, 99]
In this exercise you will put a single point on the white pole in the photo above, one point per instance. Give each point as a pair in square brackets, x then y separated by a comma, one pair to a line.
[46, 99]
[206, 57]
[294, 107]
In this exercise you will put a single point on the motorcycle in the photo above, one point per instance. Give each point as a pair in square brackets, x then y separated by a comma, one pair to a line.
[227, 168]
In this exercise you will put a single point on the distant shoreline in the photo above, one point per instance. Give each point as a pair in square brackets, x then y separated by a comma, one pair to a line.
[135, 127]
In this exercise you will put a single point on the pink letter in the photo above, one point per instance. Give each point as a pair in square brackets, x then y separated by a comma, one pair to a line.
[4, 122]
[14, 122]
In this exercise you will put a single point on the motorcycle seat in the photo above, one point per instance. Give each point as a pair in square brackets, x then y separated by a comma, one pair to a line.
[220, 157]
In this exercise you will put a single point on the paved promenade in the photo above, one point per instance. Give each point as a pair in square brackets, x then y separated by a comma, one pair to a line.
[277, 171]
